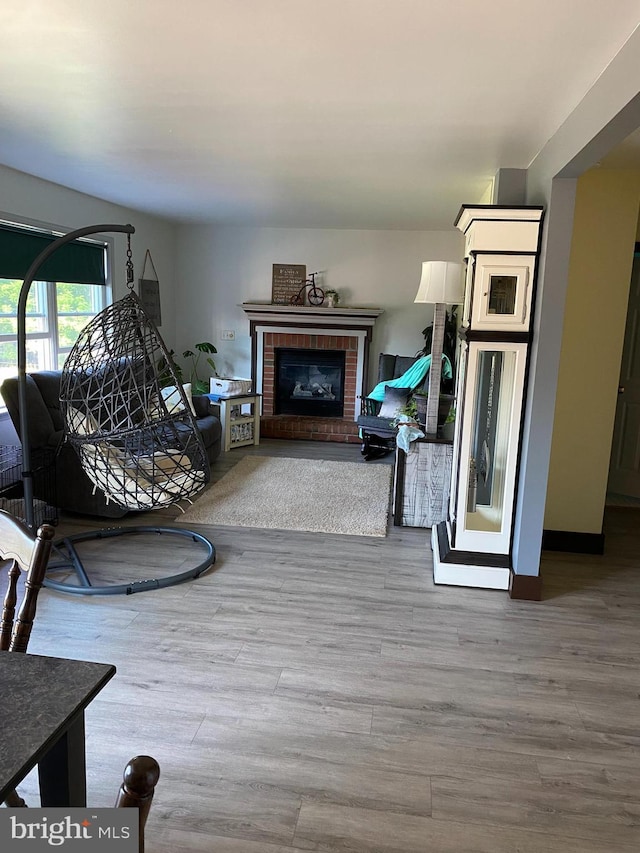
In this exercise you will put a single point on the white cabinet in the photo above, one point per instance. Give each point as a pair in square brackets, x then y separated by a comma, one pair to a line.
[502, 292]
[473, 547]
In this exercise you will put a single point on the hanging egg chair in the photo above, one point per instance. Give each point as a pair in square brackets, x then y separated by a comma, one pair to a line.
[127, 415]
[137, 439]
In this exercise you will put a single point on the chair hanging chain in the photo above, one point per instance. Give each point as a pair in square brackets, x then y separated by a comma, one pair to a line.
[129, 263]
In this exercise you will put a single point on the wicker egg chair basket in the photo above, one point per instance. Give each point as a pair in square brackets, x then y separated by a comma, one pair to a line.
[137, 443]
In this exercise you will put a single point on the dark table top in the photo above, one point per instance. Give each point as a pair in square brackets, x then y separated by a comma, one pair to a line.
[40, 697]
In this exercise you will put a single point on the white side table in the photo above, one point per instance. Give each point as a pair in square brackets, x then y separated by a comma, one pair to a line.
[240, 429]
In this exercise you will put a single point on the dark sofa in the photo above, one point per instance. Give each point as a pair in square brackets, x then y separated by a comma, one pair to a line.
[74, 490]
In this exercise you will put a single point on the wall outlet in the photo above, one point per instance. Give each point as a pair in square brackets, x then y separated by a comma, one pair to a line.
[227, 335]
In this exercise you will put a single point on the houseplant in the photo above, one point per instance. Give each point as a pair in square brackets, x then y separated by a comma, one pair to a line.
[410, 409]
[331, 297]
[448, 427]
[198, 386]
[419, 402]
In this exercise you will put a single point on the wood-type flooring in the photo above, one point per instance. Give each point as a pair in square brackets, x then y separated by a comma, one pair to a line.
[317, 692]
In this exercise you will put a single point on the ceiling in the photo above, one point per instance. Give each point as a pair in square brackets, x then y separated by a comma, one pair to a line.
[308, 113]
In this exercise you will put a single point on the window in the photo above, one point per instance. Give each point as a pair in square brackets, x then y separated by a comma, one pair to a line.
[73, 290]
[56, 313]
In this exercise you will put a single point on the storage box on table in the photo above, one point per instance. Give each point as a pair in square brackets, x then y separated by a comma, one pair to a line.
[229, 387]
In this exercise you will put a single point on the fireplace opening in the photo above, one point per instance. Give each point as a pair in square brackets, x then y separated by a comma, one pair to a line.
[309, 382]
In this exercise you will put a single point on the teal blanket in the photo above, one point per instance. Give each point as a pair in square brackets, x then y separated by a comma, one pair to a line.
[412, 378]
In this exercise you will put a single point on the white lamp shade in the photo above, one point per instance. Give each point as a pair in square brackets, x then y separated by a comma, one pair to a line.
[441, 281]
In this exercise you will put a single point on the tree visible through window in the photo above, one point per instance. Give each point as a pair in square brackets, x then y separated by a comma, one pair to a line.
[56, 312]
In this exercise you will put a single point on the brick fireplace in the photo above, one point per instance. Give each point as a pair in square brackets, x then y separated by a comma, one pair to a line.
[309, 328]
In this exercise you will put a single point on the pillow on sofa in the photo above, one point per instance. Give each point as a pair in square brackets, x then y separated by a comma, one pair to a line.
[173, 400]
[394, 400]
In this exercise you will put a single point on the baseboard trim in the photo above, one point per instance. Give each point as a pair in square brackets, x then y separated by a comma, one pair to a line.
[573, 542]
[525, 587]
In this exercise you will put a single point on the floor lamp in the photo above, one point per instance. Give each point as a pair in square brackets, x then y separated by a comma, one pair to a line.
[441, 284]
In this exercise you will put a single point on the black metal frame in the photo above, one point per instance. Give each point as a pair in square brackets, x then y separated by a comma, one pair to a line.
[66, 546]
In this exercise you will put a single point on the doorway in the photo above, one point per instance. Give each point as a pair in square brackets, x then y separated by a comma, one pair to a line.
[623, 488]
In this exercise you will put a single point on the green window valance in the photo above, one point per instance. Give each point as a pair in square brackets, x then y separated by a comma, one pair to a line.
[79, 262]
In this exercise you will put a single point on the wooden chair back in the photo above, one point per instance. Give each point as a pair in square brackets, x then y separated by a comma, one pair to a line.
[28, 554]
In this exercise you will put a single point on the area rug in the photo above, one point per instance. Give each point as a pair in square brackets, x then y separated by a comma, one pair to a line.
[298, 494]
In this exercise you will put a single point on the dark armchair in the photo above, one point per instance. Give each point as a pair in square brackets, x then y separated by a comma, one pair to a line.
[376, 419]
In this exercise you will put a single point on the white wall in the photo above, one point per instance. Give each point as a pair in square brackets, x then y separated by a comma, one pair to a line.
[25, 198]
[219, 268]
[206, 272]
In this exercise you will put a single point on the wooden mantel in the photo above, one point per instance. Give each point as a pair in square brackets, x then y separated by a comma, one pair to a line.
[312, 314]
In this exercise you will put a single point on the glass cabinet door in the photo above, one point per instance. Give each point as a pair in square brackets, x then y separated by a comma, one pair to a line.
[502, 292]
[461, 373]
[488, 446]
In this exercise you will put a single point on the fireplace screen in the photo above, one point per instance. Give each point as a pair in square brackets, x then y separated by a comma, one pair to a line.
[309, 382]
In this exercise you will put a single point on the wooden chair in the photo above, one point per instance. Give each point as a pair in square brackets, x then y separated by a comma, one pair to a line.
[26, 554]
[30, 554]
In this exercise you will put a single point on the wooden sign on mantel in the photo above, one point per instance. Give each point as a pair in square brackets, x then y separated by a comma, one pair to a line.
[286, 282]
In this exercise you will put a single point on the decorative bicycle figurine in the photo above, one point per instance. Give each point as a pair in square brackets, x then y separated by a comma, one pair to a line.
[315, 294]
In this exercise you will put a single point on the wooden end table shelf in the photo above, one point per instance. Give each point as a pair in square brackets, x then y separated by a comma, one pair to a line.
[240, 430]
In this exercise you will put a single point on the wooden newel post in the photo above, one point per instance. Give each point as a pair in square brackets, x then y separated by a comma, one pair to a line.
[138, 786]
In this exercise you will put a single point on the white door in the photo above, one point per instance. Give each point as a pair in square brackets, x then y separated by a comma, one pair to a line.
[624, 471]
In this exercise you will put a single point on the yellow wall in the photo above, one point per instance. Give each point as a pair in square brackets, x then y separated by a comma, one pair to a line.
[605, 228]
